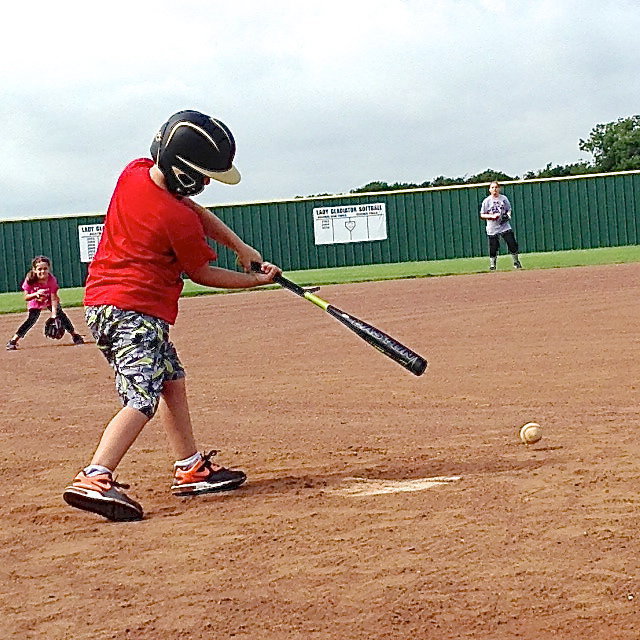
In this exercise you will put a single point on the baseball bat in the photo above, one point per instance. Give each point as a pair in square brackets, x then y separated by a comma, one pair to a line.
[383, 342]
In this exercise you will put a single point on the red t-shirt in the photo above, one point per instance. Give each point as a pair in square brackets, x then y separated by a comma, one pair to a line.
[149, 239]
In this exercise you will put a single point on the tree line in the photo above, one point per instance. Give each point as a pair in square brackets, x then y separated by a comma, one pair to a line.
[615, 146]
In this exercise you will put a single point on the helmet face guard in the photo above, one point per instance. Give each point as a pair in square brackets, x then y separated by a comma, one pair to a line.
[191, 147]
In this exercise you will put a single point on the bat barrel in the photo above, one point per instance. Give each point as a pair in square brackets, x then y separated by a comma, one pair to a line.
[383, 342]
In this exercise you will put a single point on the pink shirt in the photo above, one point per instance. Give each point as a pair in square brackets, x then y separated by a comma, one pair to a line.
[51, 286]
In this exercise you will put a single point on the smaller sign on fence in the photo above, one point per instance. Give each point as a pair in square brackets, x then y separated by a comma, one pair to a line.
[89, 237]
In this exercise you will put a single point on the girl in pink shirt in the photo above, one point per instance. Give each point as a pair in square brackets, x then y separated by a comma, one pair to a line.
[40, 288]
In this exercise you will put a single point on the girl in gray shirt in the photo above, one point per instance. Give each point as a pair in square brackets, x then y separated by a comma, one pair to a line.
[496, 210]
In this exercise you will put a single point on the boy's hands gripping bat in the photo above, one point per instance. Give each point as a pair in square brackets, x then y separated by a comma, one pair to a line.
[404, 356]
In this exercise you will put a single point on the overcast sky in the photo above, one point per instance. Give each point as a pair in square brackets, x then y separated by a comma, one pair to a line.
[323, 96]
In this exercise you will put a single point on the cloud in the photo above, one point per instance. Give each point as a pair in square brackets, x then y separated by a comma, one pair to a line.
[322, 96]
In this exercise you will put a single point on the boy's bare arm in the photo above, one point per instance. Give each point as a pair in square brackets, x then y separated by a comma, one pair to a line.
[226, 279]
[217, 230]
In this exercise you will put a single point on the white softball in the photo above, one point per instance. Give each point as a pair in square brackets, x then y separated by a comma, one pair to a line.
[530, 433]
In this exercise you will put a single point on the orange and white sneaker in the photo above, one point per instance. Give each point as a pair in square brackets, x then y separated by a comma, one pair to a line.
[205, 477]
[101, 494]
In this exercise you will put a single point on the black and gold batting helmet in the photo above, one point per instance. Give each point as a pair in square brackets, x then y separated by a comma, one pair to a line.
[192, 146]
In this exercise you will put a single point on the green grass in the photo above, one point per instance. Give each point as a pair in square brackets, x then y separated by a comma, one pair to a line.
[14, 302]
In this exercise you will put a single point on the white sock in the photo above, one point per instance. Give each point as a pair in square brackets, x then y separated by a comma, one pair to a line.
[95, 470]
[188, 462]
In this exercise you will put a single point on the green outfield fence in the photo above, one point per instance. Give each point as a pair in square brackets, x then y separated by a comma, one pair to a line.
[581, 212]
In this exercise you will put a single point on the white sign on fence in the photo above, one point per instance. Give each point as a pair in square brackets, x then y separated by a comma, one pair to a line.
[89, 236]
[350, 223]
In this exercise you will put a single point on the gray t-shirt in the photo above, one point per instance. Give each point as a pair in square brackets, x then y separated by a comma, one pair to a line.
[497, 205]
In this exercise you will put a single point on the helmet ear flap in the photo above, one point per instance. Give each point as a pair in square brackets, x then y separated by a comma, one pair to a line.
[187, 183]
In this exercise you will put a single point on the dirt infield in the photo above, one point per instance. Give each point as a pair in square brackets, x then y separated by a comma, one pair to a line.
[531, 542]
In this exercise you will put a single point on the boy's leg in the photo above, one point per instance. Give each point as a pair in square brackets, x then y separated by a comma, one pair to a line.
[199, 474]
[94, 488]
[134, 345]
[176, 420]
[118, 436]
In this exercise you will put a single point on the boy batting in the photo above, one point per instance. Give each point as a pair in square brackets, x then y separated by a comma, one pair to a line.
[153, 232]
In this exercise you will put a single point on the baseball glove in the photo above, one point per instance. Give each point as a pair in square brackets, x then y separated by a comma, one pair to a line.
[53, 328]
[505, 217]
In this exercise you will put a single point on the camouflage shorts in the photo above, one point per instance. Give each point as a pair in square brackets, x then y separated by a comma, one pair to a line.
[137, 347]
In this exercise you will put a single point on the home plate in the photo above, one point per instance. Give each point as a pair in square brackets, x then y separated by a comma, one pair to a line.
[367, 487]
